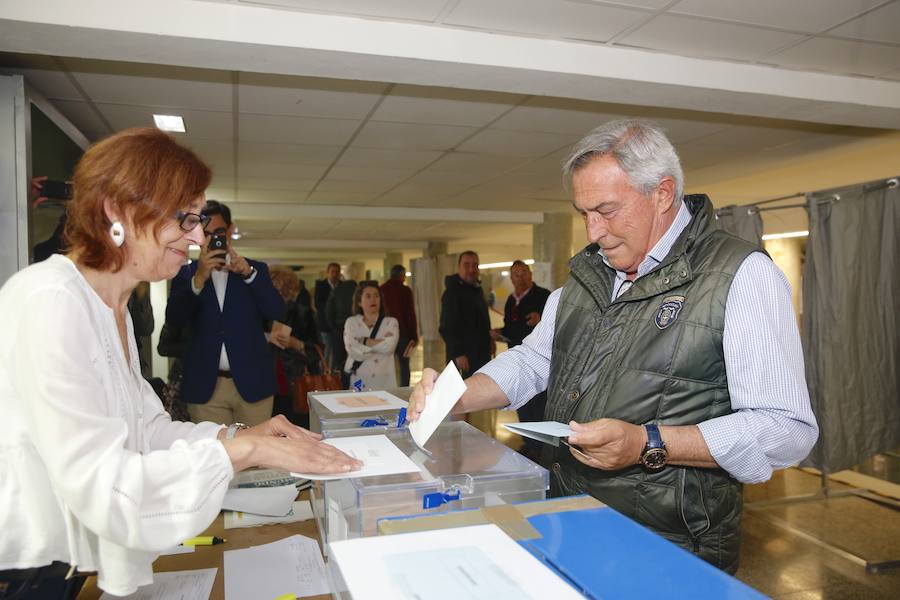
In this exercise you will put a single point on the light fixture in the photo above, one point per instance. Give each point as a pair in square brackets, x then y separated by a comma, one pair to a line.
[497, 265]
[172, 123]
[781, 236]
[504, 273]
[408, 274]
[236, 234]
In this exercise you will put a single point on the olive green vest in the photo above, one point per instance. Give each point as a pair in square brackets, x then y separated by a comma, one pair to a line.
[654, 355]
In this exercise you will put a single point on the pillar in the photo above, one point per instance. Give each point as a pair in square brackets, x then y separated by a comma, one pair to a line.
[356, 271]
[552, 245]
[391, 259]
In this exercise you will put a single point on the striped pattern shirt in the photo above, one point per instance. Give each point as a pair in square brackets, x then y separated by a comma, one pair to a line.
[772, 426]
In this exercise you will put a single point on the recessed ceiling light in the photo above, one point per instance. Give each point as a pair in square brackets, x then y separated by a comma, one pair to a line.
[169, 123]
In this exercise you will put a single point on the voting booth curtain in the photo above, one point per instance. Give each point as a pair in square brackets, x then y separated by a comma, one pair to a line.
[742, 221]
[851, 300]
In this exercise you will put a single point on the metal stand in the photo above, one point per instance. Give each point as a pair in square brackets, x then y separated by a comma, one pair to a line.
[826, 493]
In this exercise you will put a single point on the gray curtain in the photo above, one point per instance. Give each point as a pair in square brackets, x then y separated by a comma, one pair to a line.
[851, 300]
[743, 221]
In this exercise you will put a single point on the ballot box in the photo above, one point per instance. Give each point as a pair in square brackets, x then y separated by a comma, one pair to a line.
[380, 422]
[459, 468]
[349, 405]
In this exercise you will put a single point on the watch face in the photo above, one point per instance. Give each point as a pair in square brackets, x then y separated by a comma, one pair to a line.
[655, 458]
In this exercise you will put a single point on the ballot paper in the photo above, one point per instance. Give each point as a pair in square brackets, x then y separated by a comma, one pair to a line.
[464, 563]
[292, 565]
[447, 390]
[270, 501]
[378, 454]
[355, 402]
[548, 432]
[184, 585]
[300, 511]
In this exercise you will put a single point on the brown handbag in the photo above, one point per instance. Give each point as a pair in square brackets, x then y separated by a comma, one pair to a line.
[327, 381]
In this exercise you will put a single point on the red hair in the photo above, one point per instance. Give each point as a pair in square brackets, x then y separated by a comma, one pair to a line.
[145, 174]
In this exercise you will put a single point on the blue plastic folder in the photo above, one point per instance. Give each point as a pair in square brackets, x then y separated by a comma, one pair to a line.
[603, 554]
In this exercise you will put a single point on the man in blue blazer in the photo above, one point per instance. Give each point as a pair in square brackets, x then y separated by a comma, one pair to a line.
[225, 300]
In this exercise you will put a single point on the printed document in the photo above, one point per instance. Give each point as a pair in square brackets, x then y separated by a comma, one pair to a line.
[447, 390]
[379, 455]
[271, 501]
[292, 565]
[184, 585]
[464, 563]
[355, 402]
[300, 511]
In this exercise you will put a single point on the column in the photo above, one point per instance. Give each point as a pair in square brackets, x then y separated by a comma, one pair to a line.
[356, 271]
[391, 259]
[552, 245]
[428, 285]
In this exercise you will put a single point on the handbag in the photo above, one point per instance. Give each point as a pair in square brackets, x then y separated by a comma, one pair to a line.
[328, 381]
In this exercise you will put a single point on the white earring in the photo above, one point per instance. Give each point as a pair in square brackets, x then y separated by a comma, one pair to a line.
[117, 232]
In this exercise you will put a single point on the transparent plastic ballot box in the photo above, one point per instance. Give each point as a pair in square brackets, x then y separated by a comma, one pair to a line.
[462, 468]
[318, 411]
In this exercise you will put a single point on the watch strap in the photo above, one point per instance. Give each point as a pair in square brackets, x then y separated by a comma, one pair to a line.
[654, 439]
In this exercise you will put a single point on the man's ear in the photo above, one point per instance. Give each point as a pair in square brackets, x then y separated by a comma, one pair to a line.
[665, 194]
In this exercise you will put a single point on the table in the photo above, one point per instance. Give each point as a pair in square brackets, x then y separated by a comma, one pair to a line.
[205, 557]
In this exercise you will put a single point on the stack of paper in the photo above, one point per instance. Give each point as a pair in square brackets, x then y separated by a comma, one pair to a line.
[300, 511]
[185, 585]
[293, 565]
[271, 501]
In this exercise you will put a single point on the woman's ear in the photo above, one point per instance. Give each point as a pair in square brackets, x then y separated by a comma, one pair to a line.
[110, 208]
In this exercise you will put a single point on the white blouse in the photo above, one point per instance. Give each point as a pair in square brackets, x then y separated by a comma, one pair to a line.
[377, 368]
[93, 472]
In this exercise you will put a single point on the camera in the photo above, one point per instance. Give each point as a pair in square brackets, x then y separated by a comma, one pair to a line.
[56, 190]
[218, 242]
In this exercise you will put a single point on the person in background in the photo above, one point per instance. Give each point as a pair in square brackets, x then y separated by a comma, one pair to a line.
[398, 303]
[672, 351]
[340, 307]
[95, 475]
[226, 298]
[521, 314]
[370, 339]
[322, 292]
[465, 325]
[303, 296]
[295, 350]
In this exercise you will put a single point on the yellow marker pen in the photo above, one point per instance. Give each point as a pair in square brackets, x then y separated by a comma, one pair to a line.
[203, 540]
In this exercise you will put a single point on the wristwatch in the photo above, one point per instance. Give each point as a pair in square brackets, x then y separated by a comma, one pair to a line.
[233, 429]
[251, 273]
[655, 455]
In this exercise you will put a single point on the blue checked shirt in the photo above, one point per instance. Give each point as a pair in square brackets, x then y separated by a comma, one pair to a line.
[773, 426]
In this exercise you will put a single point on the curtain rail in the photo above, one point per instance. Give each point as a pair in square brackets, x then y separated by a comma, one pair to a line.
[753, 208]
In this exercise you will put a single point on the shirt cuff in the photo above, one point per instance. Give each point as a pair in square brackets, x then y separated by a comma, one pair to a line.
[726, 438]
[252, 277]
[195, 289]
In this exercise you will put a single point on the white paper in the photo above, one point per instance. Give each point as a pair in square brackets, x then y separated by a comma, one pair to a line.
[464, 563]
[548, 432]
[344, 403]
[292, 565]
[184, 585]
[177, 550]
[300, 511]
[270, 501]
[447, 390]
[378, 454]
[253, 478]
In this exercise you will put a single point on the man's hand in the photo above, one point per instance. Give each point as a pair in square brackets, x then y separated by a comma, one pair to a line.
[37, 198]
[417, 398]
[239, 264]
[608, 444]
[533, 318]
[280, 339]
[207, 263]
[462, 363]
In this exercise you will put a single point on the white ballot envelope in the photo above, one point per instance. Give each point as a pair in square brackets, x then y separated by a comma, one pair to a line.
[447, 390]
[549, 432]
[379, 455]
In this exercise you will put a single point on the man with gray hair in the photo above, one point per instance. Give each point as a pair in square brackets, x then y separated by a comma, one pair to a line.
[672, 351]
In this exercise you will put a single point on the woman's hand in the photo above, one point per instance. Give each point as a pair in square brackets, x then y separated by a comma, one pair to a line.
[295, 455]
[279, 426]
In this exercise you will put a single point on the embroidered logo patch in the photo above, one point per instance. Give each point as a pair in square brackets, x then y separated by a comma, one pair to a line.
[668, 311]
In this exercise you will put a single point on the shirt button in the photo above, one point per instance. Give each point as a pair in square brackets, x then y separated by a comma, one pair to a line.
[573, 395]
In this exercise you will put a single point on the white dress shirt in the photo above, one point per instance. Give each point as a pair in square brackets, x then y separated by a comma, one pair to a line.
[773, 425]
[377, 368]
[220, 283]
[93, 472]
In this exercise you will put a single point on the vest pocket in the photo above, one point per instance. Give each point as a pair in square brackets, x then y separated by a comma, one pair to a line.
[694, 508]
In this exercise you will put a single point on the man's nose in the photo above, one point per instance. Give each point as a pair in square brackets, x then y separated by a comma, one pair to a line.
[596, 228]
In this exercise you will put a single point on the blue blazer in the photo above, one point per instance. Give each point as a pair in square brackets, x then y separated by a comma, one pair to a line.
[239, 325]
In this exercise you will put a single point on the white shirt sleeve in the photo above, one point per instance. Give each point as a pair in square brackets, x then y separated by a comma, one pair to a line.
[139, 501]
[523, 371]
[773, 425]
[162, 431]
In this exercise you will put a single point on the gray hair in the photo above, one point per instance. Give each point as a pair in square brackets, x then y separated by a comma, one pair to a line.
[641, 149]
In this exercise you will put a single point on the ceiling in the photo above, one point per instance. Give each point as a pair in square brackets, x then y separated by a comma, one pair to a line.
[313, 163]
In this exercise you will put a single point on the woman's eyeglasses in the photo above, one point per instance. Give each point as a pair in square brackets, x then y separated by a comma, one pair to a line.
[188, 220]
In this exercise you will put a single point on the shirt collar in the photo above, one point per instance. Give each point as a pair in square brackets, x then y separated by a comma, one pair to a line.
[662, 248]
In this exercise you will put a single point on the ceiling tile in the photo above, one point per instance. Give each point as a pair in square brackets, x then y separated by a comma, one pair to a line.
[295, 130]
[406, 136]
[83, 117]
[354, 187]
[260, 228]
[840, 57]
[556, 116]
[516, 143]
[468, 162]
[443, 106]
[297, 196]
[797, 15]
[707, 39]
[294, 153]
[307, 97]
[758, 137]
[391, 159]
[547, 18]
[42, 72]
[274, 183]
[153, 85]
[880, 25]
[418, 10]
[200, 124]
[369, 174]
[651, 4]
[339, 198]
[310, 227]
[285, 171]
